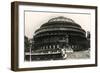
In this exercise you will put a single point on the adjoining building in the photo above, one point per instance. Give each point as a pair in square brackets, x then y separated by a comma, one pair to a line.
[54, 39]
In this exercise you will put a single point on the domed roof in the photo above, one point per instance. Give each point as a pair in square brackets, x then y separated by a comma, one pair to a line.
[61, 18]
[60, 24]
[60, 21]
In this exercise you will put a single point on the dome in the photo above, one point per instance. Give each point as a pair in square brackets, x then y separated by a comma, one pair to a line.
[60, 24]
[61, 18]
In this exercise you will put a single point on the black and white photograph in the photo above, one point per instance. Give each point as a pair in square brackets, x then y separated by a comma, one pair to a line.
[56, 36]
[53, 36]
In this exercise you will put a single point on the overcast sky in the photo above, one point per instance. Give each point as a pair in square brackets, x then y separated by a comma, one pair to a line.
[33, 20]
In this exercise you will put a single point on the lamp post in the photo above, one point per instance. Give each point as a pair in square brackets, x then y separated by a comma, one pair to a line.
[30, 41]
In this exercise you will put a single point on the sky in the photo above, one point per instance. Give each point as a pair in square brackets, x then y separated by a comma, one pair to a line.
[33, 20]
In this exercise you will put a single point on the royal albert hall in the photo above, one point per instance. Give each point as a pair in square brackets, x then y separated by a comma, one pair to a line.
[58, 36]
